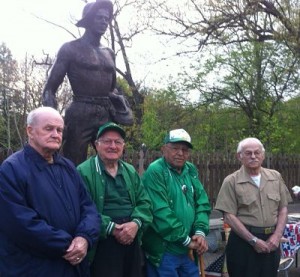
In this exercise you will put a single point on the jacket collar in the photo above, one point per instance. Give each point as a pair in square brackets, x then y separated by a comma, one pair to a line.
[38, 159]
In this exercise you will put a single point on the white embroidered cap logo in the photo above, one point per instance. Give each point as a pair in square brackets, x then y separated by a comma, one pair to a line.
[180, 134]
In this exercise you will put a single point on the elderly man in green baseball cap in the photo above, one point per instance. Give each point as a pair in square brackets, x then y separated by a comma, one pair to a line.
[180, 210]
[122, 202]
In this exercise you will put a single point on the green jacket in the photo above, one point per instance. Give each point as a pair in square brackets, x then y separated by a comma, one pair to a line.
[95, 183]
[166, 228]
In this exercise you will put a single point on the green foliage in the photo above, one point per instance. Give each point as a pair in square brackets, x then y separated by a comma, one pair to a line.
[165, 110]
[289, 124]
[123, 85]
[216, 129]
[161, 112]
[219, 126]
[213, 128]
[253, 78]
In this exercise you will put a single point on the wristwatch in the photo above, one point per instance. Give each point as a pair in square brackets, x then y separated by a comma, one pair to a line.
[253, 241]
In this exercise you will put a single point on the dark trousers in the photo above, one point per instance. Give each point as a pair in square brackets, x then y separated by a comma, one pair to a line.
[244, 261]
[113, 259]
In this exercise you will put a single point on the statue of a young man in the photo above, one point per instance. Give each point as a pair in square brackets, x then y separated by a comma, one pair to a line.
[90, 68]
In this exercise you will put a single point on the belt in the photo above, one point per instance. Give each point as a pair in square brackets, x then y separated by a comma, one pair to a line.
[103, 101]
[261, 230]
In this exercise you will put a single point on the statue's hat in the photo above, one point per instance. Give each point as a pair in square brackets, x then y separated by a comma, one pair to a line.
[90, 9]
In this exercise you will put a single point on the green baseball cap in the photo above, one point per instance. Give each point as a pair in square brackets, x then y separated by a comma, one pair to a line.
[178, 135]
[110, 126]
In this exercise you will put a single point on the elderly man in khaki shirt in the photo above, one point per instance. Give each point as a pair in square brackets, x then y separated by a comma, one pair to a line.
[254, 203]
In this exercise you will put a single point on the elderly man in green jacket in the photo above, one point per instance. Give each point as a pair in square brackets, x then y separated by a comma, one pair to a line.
[123, 203]
[180, 210]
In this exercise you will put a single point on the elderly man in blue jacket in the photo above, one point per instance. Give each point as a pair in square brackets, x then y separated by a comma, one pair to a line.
[48, 221]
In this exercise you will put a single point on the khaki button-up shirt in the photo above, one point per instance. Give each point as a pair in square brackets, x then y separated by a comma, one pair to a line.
[254, 206]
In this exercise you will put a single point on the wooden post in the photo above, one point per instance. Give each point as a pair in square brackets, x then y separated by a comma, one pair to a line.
[141, 162]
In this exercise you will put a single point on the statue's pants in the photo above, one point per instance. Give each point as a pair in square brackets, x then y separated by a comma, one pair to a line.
[82, 121]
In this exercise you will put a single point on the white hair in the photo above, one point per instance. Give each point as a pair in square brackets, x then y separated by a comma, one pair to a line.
[32, 117]
[245, 141]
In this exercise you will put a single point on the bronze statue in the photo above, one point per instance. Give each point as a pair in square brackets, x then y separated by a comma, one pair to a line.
[90, 68]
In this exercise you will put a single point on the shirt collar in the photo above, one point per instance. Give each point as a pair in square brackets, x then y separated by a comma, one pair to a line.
[101, 167]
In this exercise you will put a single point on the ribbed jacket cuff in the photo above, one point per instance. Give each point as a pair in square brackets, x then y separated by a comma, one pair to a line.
[138, 222]
[200, 233]
[110, 228]
[187, 241]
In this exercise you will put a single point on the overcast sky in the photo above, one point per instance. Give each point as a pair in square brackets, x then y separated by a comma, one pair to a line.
[24, 33]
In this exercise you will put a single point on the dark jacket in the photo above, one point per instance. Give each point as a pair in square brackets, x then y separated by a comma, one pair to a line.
[43, 207]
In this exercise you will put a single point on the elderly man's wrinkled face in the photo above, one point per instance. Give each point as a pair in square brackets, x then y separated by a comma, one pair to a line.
[110, 146]
[45, 135]
[251, 155]
[176, 154]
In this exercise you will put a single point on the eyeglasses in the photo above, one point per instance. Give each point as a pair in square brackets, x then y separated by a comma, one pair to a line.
[177, 149]
[250, 154]
[108, 142]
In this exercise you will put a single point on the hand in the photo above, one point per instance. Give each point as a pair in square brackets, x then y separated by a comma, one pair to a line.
[199, 244]
[273, 242]
[117, 230]
[193, 245]
[262, 246]
[202, 244]
[49, 100]
[76, 251]
[126, 232]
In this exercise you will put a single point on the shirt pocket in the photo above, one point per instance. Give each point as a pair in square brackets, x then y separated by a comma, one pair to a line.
[248, 203]
[273, 202]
